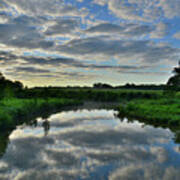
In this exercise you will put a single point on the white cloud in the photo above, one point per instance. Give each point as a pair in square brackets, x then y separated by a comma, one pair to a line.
[161, 30]
[142, 10]
[43, 7]
[177, 35]
[170, 7]
[100, 2]
[135, 9]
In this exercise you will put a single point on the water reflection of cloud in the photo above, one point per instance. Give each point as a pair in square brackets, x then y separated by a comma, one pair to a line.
[177, 149]
[91, 140]
[160, 153]
[145, 171]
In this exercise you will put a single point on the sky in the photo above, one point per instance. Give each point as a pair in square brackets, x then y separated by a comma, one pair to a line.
[82, 42]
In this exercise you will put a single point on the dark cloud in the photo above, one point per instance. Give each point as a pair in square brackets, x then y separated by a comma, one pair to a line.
[144, 50]
[7, 59]
[22, 36]
[30, 60]
[31, 70]
[62, 26]
[78, 64]
[128, 30]
[29, 20]
[7, 56]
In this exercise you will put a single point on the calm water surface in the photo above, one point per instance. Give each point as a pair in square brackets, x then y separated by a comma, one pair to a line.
[90, 144]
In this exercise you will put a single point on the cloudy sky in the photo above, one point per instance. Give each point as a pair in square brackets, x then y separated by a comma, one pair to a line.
[80, 42]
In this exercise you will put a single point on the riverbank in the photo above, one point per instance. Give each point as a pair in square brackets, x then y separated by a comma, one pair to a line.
[165, 112]
[16, 111]
[147, 106]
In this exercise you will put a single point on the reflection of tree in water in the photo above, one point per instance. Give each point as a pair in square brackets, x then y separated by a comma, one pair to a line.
[177, 137]
[4, 140]
[175, 130]
[33, 123]
[46, 126]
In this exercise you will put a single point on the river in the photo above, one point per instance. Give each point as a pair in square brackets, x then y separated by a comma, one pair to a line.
[90, 144]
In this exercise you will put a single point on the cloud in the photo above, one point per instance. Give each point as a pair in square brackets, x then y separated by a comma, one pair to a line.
[3, 17]
[51, 74]
[3, 5]
[162, 29]
[177, 35]
[31, 70]
[62, 27]
[140, 10]
[22, 36]
[100, 2]
[135, 10]
[43, 7]
[26, 20]
[80, 65]
[5, 57]
[170, 8]
[127, 30]
[108, 47]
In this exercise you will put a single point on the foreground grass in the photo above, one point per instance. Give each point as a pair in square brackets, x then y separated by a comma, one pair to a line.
[15, 111]
[165, 112]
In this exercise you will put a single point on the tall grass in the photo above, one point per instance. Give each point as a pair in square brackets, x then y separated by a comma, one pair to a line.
[157, 111]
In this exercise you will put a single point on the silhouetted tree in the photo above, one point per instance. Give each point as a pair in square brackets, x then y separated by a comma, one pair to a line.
[173, 83]
[101, 85]
[1, 77]
[9, 88]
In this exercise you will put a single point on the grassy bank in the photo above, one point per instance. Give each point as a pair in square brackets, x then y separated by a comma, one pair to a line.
[165, 112]
[147, 105]
[15, 111]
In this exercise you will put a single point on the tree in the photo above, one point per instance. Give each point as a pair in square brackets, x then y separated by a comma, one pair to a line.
[173, 84]
[102, 86]
[8, 88]
[2, 78]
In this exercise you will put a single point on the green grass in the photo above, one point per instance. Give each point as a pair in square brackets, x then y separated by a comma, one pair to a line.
[155, 111]
[147, 105]
[15, 111]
